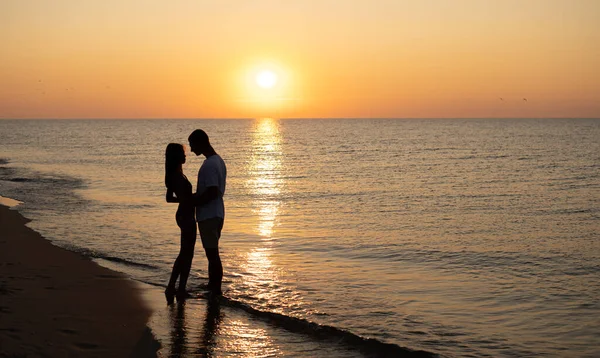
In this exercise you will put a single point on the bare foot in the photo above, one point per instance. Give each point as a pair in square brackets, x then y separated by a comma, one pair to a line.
[182, 295]
[170, 295]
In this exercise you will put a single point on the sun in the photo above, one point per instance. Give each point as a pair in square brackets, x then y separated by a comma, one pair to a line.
[265, 87]
[266, 79]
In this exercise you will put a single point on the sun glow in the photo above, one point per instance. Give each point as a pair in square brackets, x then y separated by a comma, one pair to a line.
[266, 79]
[266, 88]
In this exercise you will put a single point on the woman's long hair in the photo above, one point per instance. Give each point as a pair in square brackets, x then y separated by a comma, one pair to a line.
[173, 161]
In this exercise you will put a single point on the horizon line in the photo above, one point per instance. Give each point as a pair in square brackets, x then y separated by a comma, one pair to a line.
[282, 118]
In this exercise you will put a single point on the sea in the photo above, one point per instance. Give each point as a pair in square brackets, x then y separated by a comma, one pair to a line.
[353, 237]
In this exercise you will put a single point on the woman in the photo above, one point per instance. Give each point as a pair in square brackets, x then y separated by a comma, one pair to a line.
[178, 184]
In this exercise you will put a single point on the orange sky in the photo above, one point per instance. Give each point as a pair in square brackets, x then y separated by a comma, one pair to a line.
[198, 59]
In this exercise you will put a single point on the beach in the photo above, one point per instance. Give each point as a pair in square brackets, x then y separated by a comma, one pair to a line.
[57, 303]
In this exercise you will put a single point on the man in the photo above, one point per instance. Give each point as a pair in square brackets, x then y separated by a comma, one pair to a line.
[210, 209]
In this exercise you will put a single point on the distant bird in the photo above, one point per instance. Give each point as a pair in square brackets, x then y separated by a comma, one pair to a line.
[502, 99]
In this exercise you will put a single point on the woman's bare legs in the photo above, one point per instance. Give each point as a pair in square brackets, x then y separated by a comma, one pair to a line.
[188, 243]
[183, 263]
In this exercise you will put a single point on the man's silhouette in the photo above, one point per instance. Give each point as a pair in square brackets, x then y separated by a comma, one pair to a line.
[210, 209]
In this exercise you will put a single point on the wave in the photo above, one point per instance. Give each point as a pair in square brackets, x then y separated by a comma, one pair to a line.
[20, 180]
[26, 175]
[74, 182]
[370, 347]
[123, 261]
[102, 256]
[41, 191]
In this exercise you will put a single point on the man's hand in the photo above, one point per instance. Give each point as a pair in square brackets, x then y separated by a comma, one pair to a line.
[211, 193]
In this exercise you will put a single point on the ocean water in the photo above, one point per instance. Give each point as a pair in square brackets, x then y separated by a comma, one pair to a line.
[463, 238]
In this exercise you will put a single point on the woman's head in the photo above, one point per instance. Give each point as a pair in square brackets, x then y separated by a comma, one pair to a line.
[174, 158]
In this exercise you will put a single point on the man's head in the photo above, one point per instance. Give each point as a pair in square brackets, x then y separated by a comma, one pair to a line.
[199, 142]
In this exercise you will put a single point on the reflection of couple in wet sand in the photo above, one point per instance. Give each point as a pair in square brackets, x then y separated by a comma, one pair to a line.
[182, 331]
[204, 207]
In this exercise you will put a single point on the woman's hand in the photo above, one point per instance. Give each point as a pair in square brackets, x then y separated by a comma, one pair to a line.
[170, 197]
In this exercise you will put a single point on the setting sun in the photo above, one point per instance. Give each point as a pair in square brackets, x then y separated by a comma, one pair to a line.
[266, 79]
[266, 87]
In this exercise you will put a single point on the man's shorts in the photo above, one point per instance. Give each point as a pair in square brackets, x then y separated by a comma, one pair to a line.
[210, 232]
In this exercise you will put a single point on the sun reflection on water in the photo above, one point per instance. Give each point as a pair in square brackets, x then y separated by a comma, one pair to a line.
[248, 341]
[265, 184]
[203, 329]
[262, 270]
[265, 174]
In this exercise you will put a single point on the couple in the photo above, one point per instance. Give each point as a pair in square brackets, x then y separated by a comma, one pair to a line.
[206, 204]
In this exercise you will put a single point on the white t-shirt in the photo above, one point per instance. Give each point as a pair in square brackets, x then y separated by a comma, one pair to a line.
[212, 173]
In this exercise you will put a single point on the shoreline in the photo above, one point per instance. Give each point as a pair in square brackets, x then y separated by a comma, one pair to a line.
[57, 303]
[54, 302]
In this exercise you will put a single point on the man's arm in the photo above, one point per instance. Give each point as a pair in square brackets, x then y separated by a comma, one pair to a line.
[211, 193]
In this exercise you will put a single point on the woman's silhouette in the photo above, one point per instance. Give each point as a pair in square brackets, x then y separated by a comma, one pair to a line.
[178, 184]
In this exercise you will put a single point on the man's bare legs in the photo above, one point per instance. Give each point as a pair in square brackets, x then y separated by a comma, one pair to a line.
[215, 270]
[210, 233]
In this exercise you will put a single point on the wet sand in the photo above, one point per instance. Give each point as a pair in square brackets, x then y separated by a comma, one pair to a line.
[56, 303]
[201, 328]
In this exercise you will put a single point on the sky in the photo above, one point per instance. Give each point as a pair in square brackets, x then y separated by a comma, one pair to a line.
[351, 58]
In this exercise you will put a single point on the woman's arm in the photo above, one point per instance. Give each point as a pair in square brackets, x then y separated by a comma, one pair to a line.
[182, 191]
[170, 197]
